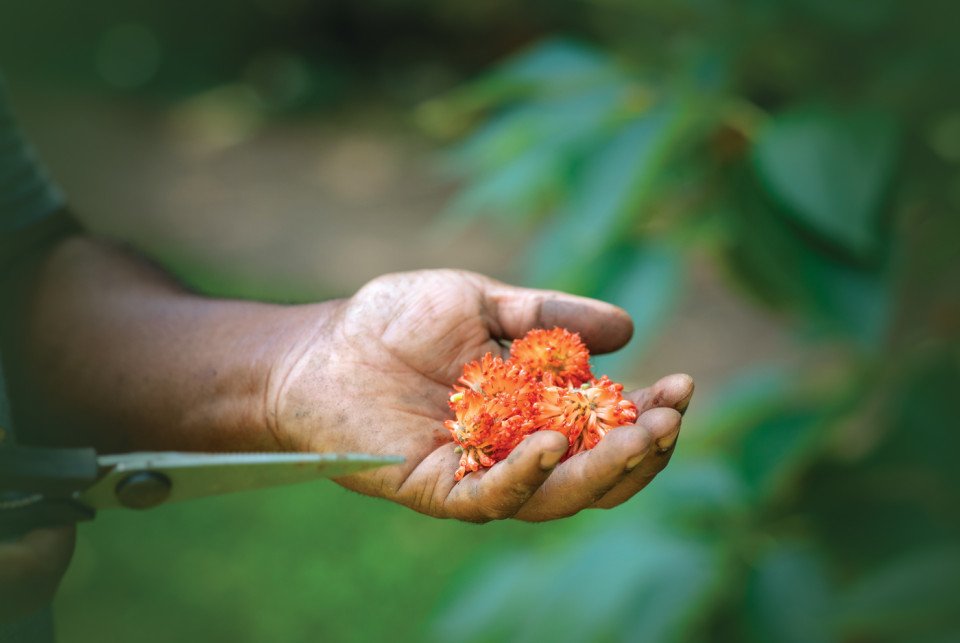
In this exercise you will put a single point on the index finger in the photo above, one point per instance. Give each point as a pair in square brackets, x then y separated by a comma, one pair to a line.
[501, 491]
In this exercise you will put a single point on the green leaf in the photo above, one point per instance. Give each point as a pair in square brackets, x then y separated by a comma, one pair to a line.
[869, 514]
[523, 156]
[830, 170]
[903, 492]
[789, 597]
[554, 122]
[774, 452]
[853, 301]
[786, 272]
[701, 491]
[744, 400]
[917, 409]
[612, 187]
[647, 282]
[491, 599]
[551, 67]
[623, 171]
[514, 191]
[853, 15]
[916, 594]
[768, 424]
[681, 580]
[616, 584]
[556, 62]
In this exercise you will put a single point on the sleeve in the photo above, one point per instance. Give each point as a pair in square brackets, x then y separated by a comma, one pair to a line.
[26, 193]
[32, 212]
[32, 215]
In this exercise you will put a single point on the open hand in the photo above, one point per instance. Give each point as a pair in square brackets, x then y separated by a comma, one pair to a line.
[373, 373]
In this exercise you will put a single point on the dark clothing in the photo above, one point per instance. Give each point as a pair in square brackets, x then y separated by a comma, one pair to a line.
[27, 200]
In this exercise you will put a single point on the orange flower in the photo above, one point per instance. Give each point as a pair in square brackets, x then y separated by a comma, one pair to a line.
[488, 428]
[491, 375]
[584, 414]
[545, 385]
[557, 356]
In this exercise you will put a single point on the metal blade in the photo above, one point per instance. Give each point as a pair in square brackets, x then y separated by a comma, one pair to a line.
[144, 480]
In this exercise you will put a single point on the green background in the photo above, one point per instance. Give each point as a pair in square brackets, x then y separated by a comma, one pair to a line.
[770, 188]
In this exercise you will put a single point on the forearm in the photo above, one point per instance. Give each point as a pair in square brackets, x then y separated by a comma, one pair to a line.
[115, 354]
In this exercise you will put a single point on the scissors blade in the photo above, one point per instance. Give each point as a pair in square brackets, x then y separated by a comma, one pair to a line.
[183, 476]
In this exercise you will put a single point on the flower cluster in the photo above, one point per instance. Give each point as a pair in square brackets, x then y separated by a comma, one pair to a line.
[546, 384]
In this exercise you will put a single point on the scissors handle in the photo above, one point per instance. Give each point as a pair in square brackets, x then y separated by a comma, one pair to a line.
[38, 487]
[53, 472]
[21, 515]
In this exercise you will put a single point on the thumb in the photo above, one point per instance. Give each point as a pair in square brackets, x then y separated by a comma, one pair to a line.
[602, 326]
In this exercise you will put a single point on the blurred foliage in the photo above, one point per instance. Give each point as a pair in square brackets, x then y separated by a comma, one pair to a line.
[304, 563]
[811, 150]
[292, 54]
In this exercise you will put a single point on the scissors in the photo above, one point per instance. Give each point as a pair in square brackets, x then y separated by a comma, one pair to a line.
[42, 487]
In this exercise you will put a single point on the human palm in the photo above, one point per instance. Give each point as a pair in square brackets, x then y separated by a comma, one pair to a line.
[373, 376]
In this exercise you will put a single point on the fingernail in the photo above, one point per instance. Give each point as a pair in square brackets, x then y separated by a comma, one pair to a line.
[685, 384]
[635, 460]
[550, 459]
[667, 441]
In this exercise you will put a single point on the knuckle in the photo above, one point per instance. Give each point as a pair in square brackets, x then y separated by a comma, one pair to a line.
[475, 518]
[503, 501]
[603, 469]
[490, 512]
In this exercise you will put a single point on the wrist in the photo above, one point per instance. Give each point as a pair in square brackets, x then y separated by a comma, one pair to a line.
[301, 391]
[115, 355]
